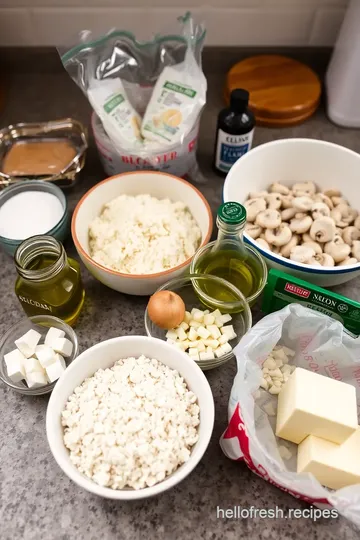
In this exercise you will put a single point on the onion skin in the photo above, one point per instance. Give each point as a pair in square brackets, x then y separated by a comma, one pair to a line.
[166, 309]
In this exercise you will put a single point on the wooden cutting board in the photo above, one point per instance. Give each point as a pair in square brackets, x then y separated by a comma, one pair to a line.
[283, 91]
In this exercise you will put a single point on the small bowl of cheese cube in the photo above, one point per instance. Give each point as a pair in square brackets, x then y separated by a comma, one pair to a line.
[211, 327]
[35, 352]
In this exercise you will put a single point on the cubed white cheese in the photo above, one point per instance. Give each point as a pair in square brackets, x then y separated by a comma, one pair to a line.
[206, 312]
[14, 355]
[200, 345]
[213, 343]
[209, 319]
[223, 339]
[193, 344]
[63, 346]
[180, 345]
[209, 349]
[187, 317]
[312, 404]
[203, 332]
[194, 356]
[27, 343]
[198, 316]
[186, 343]
[194, 310]
[194, 324]
[36, 379]
[216, 313]
[15, 370]
[214, 331]
[226, 318]
[219, 352]
[55, 370]
[218, 322]
[31, 365]
[53, 334]
[229, 331]
[192, 334]
[269, 363]
[193, 350]
[226, 347]
[45, 355]
[171, 334]
[206, 356]
[184, 325]
[181, 334]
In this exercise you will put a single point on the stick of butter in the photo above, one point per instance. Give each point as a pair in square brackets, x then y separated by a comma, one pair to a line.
[282, 289]
[311, 404]
[334, 466]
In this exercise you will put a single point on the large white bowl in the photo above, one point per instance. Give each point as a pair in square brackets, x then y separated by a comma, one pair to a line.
[157, 184]
[104, 355]
[297, 160]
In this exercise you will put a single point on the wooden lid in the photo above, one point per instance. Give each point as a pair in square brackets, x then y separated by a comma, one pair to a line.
[282, 91]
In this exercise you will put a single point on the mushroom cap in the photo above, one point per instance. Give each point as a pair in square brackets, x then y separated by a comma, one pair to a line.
[355, 250]
[338, 252]
[320, 209]
[304, 188]
[301, 225]
[263, 243]
[274, 200]
[347, 261]
[279, 236]
[324, 259]
[253, 207]
[303, 203]
[350, 234]
[268, 219]
[302, 254]
[316, 247]
[323, 229]
[285, 250]
[277, 187]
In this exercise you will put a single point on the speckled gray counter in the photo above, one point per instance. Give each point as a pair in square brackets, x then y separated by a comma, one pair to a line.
[37, 501]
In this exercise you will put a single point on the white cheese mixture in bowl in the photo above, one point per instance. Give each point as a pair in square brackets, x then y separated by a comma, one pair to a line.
[143, 235]
[131, 425]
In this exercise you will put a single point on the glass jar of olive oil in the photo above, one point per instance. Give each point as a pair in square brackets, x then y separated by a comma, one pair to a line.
[49, 281]
[230, 258]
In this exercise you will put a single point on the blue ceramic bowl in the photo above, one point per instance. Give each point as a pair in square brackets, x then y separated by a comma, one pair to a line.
[59, 231]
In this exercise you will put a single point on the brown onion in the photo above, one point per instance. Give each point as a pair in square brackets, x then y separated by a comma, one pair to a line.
[166, 309]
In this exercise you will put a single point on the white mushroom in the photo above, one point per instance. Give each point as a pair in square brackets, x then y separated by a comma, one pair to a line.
[322, 259]
[269, 219]
[302, 225]
[303, 203]
[306, 238]
[277, 187]
[263, 243]
[357, 222]
[350, 234]
[287, 201]
[332, 193]
[343, 215]
[274, 201]
[302, 254]
[355, 250]
[253, 207]
[300, 215]
[320, 197]
[304, 188]
[253, 230]
[279, 236]
[316, 247]
[288, 213]
[339, 200]
[320, 209]
[347, 261]
[338, 252]
[323, 230]
[257, 194]
[285, 250]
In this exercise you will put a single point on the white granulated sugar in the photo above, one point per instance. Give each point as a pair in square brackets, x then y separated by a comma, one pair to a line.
[131, 425]
[143, 235]
[29, 213]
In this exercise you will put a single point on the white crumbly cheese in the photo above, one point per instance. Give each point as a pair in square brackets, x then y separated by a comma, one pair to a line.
[143, 235]
[275, 369]
[131, 425]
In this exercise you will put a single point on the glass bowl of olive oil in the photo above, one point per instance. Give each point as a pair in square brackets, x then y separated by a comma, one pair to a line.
[195, 290]
[246, 270]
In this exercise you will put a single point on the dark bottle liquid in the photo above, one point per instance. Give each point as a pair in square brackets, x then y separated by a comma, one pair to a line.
[234, 132]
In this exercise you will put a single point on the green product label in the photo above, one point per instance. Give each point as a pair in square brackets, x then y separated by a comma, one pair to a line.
[189, 92]
[282, 290]
[113, 102]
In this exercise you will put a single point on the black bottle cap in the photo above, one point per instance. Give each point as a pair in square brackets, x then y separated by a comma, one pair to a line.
[239, 99]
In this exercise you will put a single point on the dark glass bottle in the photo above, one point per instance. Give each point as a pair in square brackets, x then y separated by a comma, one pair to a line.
[234, 132]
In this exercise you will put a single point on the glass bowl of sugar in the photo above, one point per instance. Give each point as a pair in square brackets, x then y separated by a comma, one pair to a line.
[30, 208]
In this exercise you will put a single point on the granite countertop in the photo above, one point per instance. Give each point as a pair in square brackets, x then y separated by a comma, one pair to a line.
[37, 500]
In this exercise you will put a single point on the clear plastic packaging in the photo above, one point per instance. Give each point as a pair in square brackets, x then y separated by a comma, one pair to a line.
[321, 345]
[122, 76]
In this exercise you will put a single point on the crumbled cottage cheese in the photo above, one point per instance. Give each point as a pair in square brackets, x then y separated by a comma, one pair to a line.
[131, 425]
[143, 235]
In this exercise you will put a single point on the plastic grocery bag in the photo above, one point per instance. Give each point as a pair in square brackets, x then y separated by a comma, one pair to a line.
[321, 345]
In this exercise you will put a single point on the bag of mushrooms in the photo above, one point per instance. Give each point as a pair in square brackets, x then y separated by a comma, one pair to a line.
[305, 225]
[317, 343]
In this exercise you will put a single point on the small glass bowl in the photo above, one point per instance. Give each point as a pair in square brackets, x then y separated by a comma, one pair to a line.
[40, 323]
[191, 289]
[60, 231]
[261, 262]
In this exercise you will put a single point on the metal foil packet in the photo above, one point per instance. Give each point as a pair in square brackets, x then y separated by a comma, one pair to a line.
[51, 151]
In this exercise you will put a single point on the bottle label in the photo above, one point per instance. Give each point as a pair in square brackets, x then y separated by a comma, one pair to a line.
[34, 303]
[230, 148]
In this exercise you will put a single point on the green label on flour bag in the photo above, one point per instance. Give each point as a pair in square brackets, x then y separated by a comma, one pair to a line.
[113, 103]
[181, 89]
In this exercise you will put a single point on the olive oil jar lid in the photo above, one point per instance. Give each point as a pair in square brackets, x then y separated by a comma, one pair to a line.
[232, 213]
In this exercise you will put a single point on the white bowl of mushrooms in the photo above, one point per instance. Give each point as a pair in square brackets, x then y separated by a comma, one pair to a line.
[303, 207]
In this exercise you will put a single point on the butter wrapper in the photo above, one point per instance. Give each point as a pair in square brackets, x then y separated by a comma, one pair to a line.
[282, 289]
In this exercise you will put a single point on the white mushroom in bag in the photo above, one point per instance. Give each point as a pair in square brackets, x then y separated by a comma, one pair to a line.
[279, 236]
[253, 207]
[268, 219]
[323, 229]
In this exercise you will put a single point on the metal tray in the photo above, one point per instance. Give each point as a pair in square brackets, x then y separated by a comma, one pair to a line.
[68, 129]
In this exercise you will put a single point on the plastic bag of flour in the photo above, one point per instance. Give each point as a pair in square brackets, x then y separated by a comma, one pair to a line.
[321, 345]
